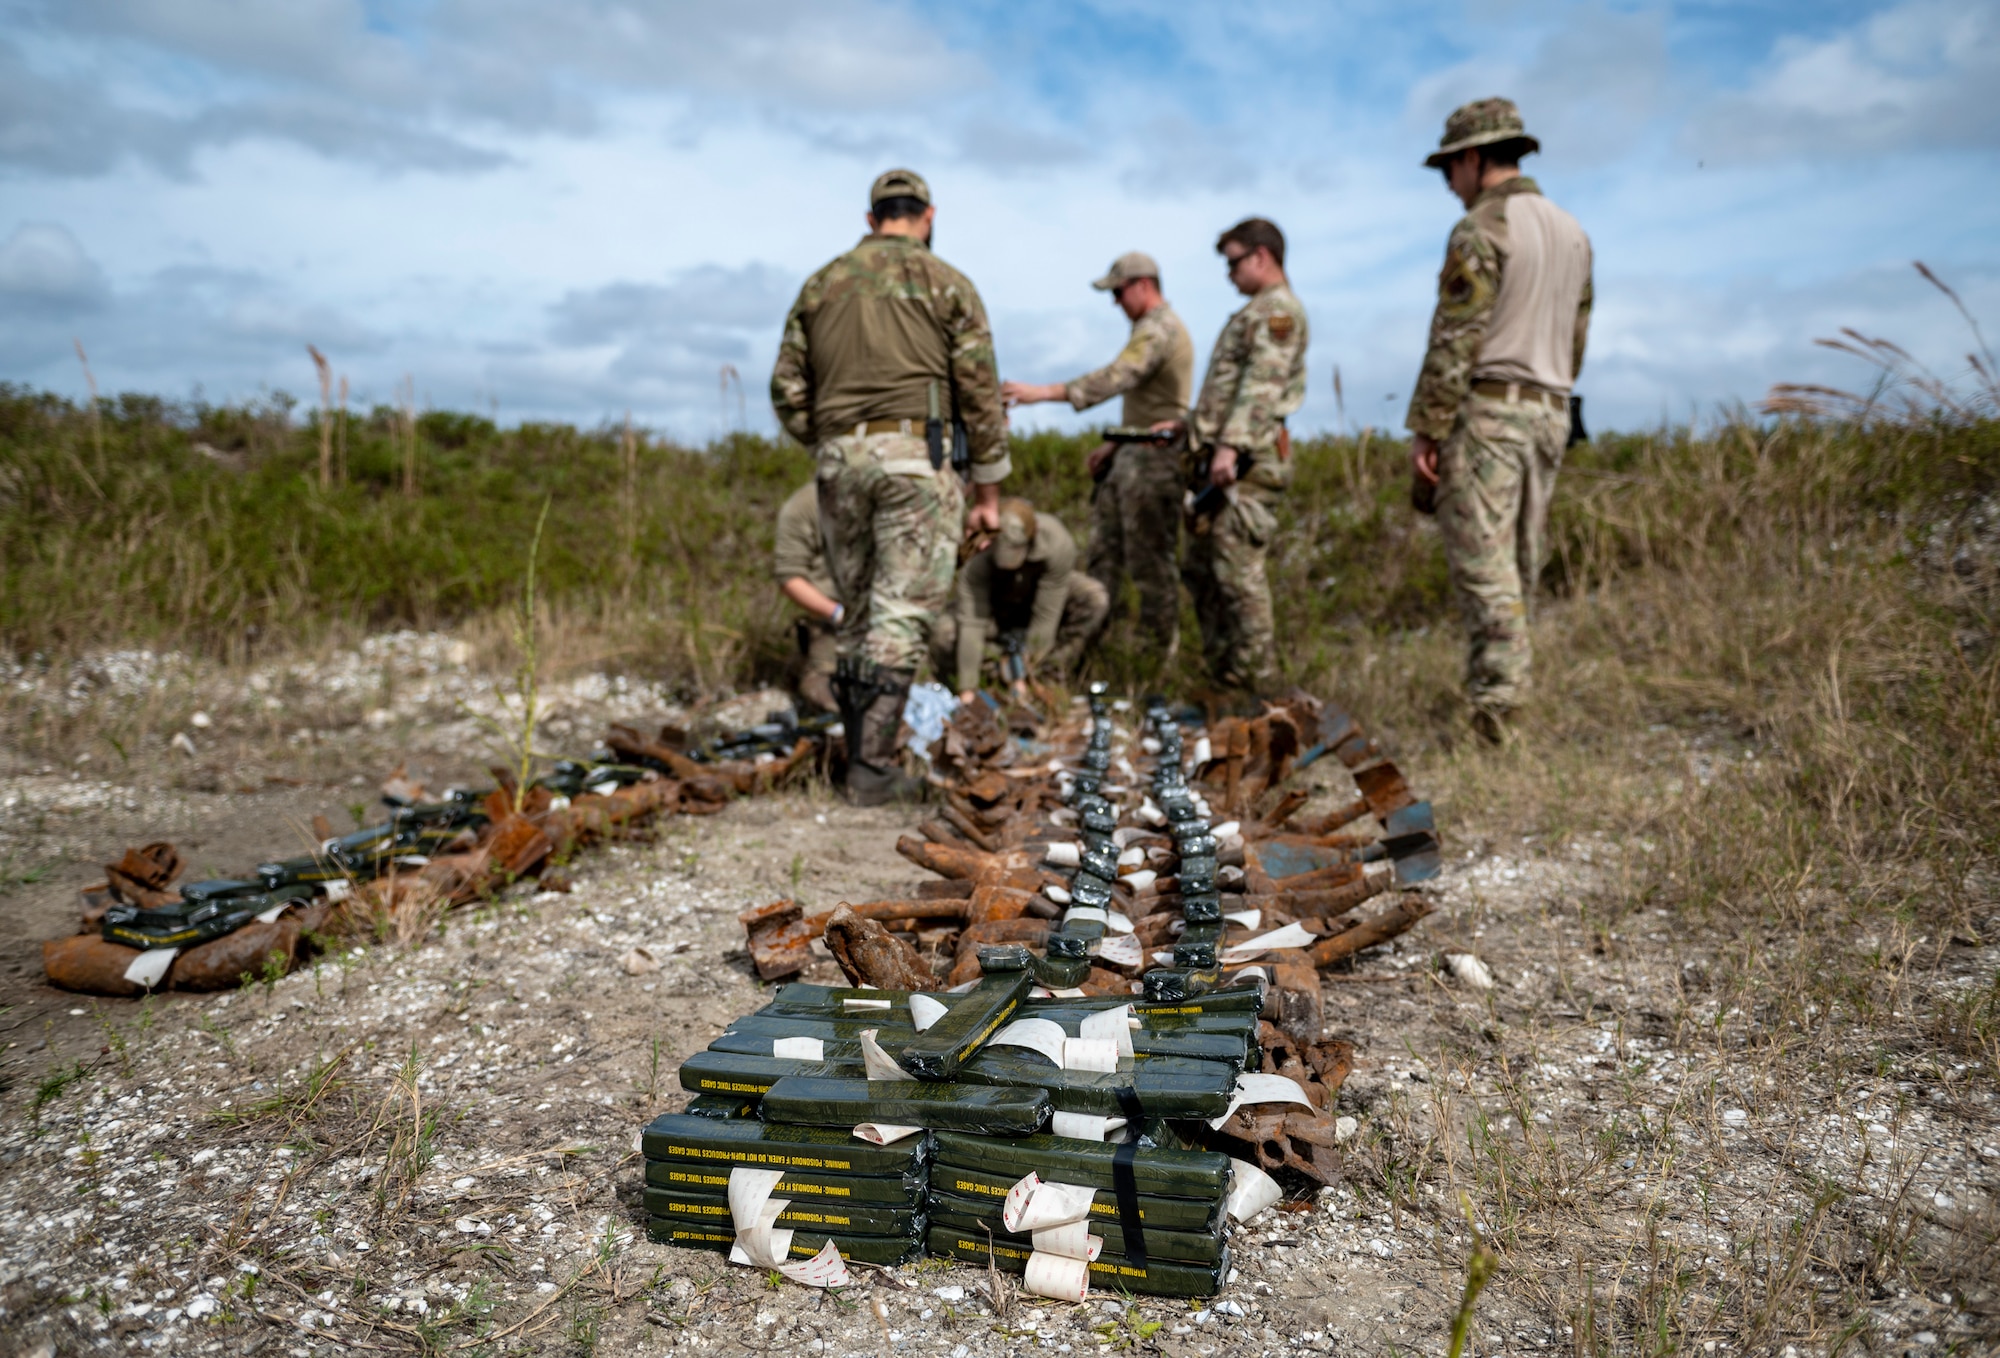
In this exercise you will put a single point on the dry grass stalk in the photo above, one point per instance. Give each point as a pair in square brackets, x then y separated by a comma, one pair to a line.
[407, 407]
[325, 372]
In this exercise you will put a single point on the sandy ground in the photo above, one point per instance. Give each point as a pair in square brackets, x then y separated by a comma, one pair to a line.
[434, 1149]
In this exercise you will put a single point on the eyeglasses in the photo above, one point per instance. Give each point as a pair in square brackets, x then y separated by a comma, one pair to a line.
[1236, 261]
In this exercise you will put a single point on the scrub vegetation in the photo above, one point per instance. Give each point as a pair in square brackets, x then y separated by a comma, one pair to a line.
[1765, 744]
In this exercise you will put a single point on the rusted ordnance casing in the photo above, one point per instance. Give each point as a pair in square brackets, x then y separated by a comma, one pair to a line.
[1369, 932]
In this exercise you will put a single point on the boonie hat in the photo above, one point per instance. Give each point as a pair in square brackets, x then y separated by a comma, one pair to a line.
[1128, 266]
[1016, 535]
[1480, 123]
[899, 184]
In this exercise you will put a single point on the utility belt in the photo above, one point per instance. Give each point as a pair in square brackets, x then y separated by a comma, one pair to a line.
[1515, 393]
[856, 454]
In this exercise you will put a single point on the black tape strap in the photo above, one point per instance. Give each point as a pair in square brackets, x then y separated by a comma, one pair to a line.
[1125, 1186]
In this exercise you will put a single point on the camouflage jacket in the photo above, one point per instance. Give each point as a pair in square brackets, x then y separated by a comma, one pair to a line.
[882, 333]
[1256, 377]
[1155, 371]
[1475, 260]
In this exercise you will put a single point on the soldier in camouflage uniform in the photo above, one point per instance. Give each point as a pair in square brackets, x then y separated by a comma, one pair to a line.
[881, 341]
[1490, 414]
[1022, 586]
[798, 564]
[1256, 377]
[1135, 512]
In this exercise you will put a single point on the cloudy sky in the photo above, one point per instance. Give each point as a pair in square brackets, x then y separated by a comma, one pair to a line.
[574, 209]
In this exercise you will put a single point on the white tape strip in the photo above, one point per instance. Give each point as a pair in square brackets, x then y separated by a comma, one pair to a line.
[1034, 1203]
[884, 1133]
[1249, 919]
[924, 1011]
[1251, 1190]
[1122, 950]
[799, 1048]
[1037, 1035]
[1291, 936]
[1140, 881]
[850, 1004]
[880, 1065]
[1118, 922]
[1072, 1240]
[1064, 854]
[761, 1245]
[149, 968]
[1052, 1275]
[1114, 1024]
[1090, 1053]
[1094, 914]
[1057, 894]
[271, 916]
[1085, 1126]
[1260, 1088]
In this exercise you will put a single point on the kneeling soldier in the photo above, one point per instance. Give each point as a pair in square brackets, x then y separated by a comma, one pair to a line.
[1023, 591]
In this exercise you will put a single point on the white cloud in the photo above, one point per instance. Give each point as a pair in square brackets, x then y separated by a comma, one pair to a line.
[1924, 74]
[44, 264]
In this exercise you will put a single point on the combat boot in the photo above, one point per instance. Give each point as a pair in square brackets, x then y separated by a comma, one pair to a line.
[874, 744]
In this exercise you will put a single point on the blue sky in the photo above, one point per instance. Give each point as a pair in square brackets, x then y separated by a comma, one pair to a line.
[574, 210]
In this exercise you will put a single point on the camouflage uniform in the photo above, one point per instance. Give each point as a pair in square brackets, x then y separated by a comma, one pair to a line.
[798, 552]
[1058, 609]
[1135, 513]
[1256, 377]
[1506, 342]
[880, 340]
[872, 346]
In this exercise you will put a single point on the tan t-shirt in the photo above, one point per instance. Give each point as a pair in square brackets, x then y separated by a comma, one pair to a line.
[1155, 371]
[798, 550]
[1532, 336]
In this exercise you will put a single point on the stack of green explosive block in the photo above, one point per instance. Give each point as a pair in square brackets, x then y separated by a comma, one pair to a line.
[867, 1199]
[970, 1092]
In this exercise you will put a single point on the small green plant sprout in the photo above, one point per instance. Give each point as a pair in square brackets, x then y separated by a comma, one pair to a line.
[1479, 1270]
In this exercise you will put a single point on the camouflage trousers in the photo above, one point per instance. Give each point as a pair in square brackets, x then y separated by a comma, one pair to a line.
[1135, 529]
[1225, 573]
[1086, 608]
[1496, 474]
[891, 527]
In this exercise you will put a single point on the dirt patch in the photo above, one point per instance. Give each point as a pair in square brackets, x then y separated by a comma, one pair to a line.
[434, 1148]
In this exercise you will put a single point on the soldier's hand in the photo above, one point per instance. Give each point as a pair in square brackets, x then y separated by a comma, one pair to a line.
[1424, 457]
[1030, 393]
[1169, 426]
[983, 517]
[1222, 467]
[1094, 461]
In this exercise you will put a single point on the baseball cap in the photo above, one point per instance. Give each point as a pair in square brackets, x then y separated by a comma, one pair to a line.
[899, 184]
[1128, 266]
[1017, 533]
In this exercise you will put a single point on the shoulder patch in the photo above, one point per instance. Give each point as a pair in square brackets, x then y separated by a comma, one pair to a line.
[1281, 327]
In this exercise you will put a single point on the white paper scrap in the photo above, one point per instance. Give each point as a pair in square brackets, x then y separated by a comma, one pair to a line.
[1141, 881]
[799, 1048]
[1227, 828]
[878, 1063]
[884, 1133]
[1251, 1190]
[924, 1011]
[1064, 854]
[1071, 1241]
[1118, 922]
[149, 968]
[1085, 1126]
[1057, 894]
[271, 916]
[1057, 1277]
[1091, 914]
[1249, 919]
[851, 1005]
[1261, 1088]
[1291, 936]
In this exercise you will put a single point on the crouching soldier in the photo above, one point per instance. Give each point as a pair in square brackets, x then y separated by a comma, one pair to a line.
[798, 563]
[1022, 594]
